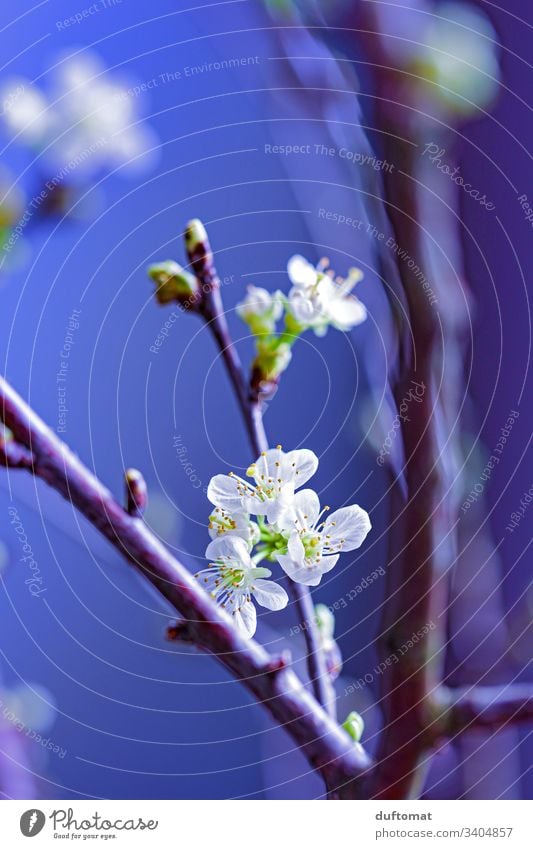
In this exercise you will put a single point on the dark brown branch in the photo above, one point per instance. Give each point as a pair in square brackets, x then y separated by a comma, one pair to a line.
[326, 746]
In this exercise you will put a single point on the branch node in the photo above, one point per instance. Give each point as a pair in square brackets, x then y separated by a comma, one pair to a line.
[12, 454]
[180, 632]
[136, 493]
[279, 662]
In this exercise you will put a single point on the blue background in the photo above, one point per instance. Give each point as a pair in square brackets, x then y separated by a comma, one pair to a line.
[140, 718]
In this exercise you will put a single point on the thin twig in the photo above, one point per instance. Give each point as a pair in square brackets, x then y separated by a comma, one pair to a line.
[316, 661]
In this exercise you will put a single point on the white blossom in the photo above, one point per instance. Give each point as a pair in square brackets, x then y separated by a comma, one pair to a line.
[87, 120]
[456, 58]
[275, 477]
[314, 546]
[318, 299]
[260, 302]
[222, 523]
[233, 580]
[25, 110]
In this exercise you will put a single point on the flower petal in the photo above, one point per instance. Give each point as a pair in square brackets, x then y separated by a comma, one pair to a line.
[229, 549]
[347, 527]
[303, 512]
[223, 491]
[223, 523]
[328, 562]
[347, 312]
[280, 506]
[301, 574]
[246, 618]
[304, 464]
[269, 594]
[296, 549]
[307, 507]
[301, 272]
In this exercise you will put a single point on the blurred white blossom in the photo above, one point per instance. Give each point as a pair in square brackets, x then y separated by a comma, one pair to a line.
[87, 120]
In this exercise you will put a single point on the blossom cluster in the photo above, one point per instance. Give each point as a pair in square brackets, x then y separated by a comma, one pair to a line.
[85, 122]
[264, 518]
[316, 300]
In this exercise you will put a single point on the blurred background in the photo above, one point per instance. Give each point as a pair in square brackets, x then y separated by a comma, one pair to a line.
[119, 122]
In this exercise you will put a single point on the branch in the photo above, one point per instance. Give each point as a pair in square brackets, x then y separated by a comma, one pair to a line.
[326, 746]
[316, 661]
[211, 308]
[14, 456]
[416, 520]
[489, 708]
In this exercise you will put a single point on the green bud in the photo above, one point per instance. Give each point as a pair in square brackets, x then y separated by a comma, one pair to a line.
[195, 234]
[173, 282]
[272, 358]
[325, 620]
[292, 326]
[354, 725]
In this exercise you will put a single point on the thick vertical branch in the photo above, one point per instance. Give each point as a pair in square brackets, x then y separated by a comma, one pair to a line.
[408, 607]
[410, 602]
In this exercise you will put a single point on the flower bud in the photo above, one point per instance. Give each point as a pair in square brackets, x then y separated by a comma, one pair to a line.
[354, 725]
[457, 62]
[325, 620]
[195, 234]
[136, 493]
[173, 282]
[272, 359]
[260, 310]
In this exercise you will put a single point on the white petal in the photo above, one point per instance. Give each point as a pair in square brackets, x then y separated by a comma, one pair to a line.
[274, 466]
[304, 309]
[349, 525]
[246, 619]
[257, 302]
[301, 574]
[244, 528]
[304, 464]
[280, 506]
[301, 272]
[327, 563]
[229, 549]
[345, 313]
[302, 513]
[269, 594]
[306, 507]
[223, 492]
[296, 549]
